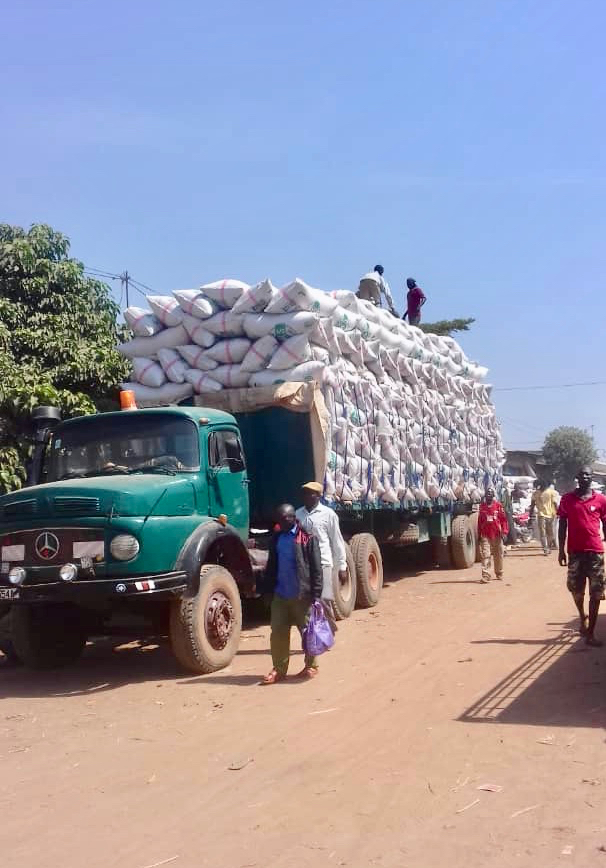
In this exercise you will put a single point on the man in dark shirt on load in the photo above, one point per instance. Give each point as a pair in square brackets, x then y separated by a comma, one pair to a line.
[582, 515]
[415, 299]
[294, 576]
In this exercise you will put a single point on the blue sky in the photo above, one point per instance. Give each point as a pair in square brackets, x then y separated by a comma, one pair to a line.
[460, 143]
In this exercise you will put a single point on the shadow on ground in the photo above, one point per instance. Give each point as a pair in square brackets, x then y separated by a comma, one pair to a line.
[562, 683]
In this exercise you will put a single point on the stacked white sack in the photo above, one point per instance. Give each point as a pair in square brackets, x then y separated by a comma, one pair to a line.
[410, 419]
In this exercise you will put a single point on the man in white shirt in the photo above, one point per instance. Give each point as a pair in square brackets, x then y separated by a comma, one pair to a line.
[323, 523]
[372, 285]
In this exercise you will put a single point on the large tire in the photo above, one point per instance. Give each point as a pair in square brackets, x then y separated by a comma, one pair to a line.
[205, 629]
[369, 569]
[473, 520]
[47, 635]
[345, 592]
[463, 543]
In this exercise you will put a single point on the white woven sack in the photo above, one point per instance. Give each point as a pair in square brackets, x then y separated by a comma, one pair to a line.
[293, 351]
[281, 326]
[230, 351]
[225, 292]
[320, 354]
[322, 303]
[197, 331]
[259, 354]
[148, 372]
[231, 376]
[202, 382]
[256, 298]
[142, 322]
[195, 303]
[225, 324]
[195, 357]
[166, 309]
[149, 347]
[368, 310]
[346, 299]
[344, 319]
[296, 295]
[172, 365]
[169, 393]
[306, 372]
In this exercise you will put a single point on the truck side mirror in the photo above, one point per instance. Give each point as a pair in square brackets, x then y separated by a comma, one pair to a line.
[44, 420]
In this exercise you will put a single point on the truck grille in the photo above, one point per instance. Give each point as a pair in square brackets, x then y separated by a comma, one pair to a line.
[79, 505]
[21, 507]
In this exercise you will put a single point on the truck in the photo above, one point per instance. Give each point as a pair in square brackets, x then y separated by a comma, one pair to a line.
[164, 514]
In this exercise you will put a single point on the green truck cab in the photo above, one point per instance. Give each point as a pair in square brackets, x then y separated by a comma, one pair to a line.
[142, 512]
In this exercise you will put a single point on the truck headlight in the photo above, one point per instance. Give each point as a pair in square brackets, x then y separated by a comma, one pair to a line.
[124, 547]
[68, 572]
[16, 575]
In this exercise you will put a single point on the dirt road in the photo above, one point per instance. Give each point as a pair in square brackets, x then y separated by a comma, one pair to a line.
[458, 724]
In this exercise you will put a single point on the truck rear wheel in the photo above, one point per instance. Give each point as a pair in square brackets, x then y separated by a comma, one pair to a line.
[345, 592]
[369, 569]
[463, 543]
[47, 635]
[205, 629]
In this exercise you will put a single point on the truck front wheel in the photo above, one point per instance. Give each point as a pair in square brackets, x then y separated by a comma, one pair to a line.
[47, 635]
[463, 543]
[205, 629]
[345, 592]
[369, 569]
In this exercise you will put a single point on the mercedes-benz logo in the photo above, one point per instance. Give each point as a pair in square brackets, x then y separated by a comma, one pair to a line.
[47, 546]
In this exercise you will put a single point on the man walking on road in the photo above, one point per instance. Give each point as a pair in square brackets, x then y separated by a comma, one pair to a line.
[415, 299]
[544, 501]
[372, 285]
[323, 523]
[492, 527]
[582, 515]
[294, 577]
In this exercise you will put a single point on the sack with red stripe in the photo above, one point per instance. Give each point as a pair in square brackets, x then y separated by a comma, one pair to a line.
[196, 357]
[172, 365]
[166, 309]
[293, 351]
[149, 346]
[142, 322]
[231, 376]
[256, 298]
[148, 372]
[259, 354]
[281, 326]
[169, 393]
[229, 351]
[202, 382]
[197, 331]
[305, 373]
[225, 292]
[195, 303]
[225, 324]
[298, 295]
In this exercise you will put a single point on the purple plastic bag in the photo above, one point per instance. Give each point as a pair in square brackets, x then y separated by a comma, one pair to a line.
[317, 635]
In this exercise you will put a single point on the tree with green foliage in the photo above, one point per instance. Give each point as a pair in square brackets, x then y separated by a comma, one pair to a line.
[567, 449]
[58, 335]
[447, 326]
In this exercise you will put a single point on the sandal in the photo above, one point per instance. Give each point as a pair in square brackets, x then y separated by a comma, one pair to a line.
[309, 672]
[273, 677]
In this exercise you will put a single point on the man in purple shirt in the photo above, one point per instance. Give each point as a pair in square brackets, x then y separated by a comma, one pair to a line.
[415, 299]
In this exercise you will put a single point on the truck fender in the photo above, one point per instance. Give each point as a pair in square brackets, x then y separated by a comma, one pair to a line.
[214, 543]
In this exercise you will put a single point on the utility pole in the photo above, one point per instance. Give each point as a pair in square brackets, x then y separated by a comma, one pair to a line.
[125, 277]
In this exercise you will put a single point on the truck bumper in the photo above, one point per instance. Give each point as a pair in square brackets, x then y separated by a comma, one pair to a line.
[159, 586]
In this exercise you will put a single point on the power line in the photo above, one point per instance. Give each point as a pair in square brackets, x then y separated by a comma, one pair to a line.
[557, 386]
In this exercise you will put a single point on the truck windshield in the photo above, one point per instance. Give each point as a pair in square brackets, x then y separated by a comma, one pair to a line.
[129, 443]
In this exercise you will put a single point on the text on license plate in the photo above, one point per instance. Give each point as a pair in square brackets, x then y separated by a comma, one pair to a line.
[9, 593]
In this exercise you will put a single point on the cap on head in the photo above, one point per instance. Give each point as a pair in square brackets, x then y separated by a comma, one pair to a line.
[316, 487]
[411, 282]
[379, 268]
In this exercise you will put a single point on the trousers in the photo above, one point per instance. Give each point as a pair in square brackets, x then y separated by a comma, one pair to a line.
[491, 550]
[547, 533]
[284, 615]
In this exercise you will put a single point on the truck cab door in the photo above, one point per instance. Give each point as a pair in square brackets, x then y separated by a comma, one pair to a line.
[227, 479]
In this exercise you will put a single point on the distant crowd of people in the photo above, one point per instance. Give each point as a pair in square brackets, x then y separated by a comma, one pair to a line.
[373, 285]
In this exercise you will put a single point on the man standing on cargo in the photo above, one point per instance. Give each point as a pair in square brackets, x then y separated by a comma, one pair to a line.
[323, 523]
[492, 527]
[415, 299]
[582, 515]
[294, 577]
[372, 285]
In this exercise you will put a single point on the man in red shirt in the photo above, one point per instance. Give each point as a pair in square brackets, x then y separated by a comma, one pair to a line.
[415, 299]
[582, 515]
[492, 527]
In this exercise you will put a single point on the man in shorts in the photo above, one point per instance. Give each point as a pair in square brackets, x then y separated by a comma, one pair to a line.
[582, 515]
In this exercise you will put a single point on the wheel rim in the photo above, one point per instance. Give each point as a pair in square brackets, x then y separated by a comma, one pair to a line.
[373, 572]
[220, 620]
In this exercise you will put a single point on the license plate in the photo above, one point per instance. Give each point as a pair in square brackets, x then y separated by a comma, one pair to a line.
[9, 593]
